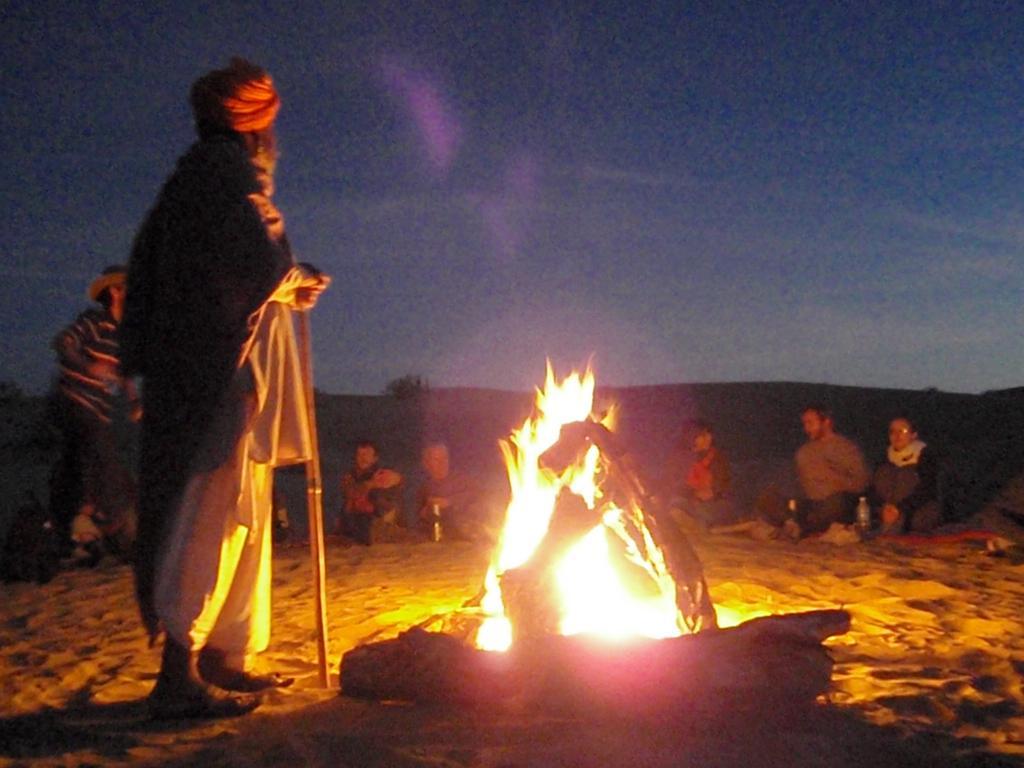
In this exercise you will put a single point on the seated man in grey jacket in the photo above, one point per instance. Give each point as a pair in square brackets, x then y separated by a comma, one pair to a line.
[832, 473]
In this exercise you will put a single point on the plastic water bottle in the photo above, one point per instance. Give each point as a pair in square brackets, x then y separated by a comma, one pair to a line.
[436, 528]
[863, 523]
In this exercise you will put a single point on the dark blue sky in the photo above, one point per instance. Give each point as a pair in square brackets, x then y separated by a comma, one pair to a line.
[707, 191]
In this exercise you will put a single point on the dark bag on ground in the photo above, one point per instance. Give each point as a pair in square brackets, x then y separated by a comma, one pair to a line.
[31, 551]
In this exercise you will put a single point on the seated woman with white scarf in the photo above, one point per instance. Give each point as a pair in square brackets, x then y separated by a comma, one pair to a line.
[908, 486]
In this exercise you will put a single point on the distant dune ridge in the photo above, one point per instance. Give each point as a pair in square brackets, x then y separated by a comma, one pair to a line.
[756, 423]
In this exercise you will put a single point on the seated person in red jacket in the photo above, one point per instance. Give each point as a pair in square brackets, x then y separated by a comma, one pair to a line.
[371, 496]
[455, 497]
[700, 479]
[908, 485]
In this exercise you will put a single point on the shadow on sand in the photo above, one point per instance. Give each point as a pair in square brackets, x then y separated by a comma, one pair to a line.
[344, 732]
[101, 731]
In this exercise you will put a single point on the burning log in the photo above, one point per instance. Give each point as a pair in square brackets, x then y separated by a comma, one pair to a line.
[529, 591]
[775, 659]
[625, 486]
[420, 666]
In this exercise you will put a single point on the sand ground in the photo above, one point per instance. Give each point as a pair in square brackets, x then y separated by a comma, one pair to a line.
[930, 673]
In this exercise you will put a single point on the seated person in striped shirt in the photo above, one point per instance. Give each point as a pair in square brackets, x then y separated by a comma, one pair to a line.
[92, 493]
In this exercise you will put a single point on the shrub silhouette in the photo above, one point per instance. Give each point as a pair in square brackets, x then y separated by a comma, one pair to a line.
[407, 387]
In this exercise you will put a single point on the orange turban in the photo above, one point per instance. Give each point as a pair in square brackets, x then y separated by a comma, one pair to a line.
[115, 274]
[240, 97]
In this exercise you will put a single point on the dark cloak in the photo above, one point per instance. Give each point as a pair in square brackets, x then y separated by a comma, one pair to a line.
[202, 268]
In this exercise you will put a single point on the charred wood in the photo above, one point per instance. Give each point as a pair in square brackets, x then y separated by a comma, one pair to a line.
[777, 659]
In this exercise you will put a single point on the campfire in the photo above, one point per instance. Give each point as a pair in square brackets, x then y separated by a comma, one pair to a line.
[580, 550]
[594, 598]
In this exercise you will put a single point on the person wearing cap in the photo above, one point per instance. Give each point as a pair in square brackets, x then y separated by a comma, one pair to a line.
[212, 287]
[91, 489]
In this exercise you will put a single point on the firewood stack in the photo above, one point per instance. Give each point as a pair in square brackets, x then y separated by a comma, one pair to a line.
[770, 663]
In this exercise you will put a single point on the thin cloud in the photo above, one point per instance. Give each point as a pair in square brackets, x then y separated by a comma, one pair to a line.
[1006, 230]
[437, 127]
[989, 267]
[591, 172]
[45, 275]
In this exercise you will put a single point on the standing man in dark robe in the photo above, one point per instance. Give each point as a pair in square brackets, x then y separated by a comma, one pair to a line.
[212, 286]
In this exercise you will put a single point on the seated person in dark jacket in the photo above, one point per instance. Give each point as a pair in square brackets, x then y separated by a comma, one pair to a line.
[908, 485]
[453, 495]
[700, 479]
[371, 496]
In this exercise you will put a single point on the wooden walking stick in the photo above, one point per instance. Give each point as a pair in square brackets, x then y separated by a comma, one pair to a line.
[314, 500]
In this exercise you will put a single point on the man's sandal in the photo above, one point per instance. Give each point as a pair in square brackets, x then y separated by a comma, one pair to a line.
[247, 682]
[214, 669]
[199, 703]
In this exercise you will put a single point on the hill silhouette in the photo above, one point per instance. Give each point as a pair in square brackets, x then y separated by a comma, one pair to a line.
[756, 423]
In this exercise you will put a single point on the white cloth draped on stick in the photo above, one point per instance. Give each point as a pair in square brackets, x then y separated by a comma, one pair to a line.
[213, 578]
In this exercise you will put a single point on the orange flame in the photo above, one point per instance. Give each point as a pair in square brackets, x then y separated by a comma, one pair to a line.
[594, 596]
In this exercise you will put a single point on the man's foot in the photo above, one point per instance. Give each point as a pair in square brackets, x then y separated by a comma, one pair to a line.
[761, 530]
[249, 682]
[180, 693]
[214, 669]
[196, 701]
[840, 535]
[384, 529]
[791, 529]
[86, 555]
[997, 546]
